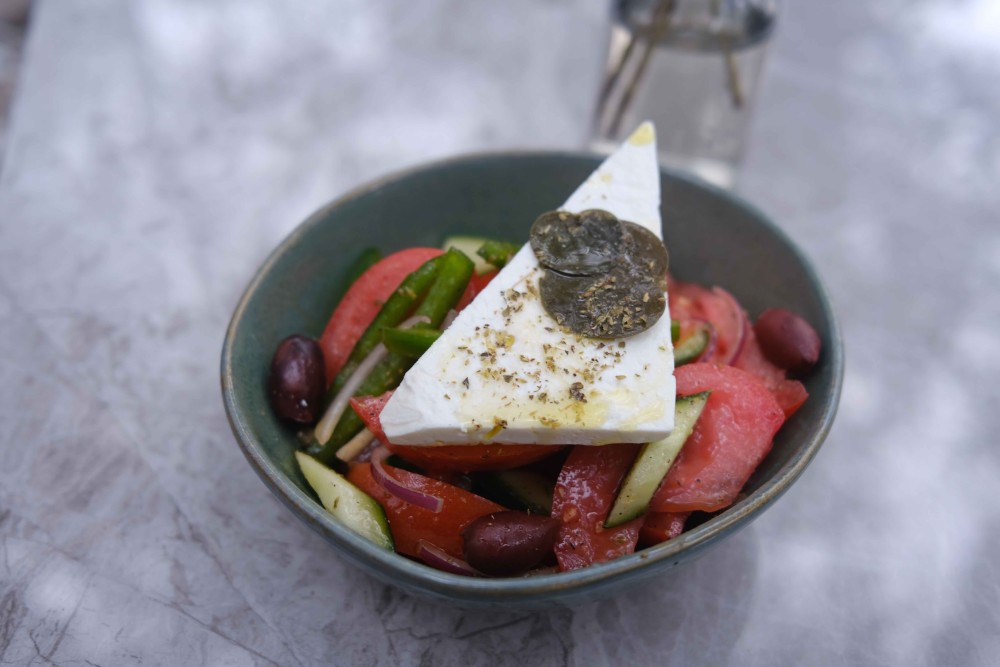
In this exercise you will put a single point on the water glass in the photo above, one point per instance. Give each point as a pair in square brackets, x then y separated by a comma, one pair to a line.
[692, 67]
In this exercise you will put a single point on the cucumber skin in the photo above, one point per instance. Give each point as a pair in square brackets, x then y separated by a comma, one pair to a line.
[353, 507]
[654, 461]
[468, 246]
[692, 348]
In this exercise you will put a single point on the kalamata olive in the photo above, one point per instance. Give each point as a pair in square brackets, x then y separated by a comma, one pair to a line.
[508, 543]
[297, 380]
[577, 244]
[787, 340]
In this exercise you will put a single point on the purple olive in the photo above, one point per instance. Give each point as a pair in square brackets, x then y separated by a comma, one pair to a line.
[508, 543]
[787, 340]
[297, 381]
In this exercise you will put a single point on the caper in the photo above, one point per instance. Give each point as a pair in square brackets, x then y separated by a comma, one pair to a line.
[297, 380]
[578, 244]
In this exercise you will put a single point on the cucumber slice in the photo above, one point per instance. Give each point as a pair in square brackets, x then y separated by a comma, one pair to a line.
[468, 245]
[355, 508]
[523, 490]
[691, 347]
[654, 461]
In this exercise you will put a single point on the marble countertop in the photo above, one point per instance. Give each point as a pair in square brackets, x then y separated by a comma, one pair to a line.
[159, 150]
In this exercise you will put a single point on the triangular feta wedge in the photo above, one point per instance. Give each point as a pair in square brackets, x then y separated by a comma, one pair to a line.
[505, 372]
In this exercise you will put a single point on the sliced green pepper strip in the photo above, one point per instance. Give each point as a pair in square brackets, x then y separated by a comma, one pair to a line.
[498, 253]
[393, 311]
[409, 342]
[456, 269]
[451, 281]
[675, 331]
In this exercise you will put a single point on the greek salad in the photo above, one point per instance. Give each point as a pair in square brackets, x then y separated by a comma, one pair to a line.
[499, 409]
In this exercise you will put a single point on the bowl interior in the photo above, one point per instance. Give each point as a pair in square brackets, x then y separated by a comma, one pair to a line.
[713, 238]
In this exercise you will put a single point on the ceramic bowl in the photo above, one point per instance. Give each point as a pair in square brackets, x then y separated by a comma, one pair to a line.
[714, 238]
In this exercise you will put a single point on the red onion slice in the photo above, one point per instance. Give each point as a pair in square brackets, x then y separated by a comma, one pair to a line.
[747, 333]
[739, 322]
[441, 560]
[353, 447]
[398, 489]
[340, 402]
[448, 319]
[712, 344]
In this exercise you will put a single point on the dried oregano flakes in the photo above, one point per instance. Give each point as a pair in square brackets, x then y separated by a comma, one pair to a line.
[602, 277]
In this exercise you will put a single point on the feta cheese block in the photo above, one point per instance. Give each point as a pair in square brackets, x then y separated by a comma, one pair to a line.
[505, 372]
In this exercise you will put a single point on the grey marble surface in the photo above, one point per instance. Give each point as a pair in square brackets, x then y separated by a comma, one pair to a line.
[158, 150]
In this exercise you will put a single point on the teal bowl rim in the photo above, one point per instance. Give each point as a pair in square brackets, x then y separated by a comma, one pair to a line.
[421, 578]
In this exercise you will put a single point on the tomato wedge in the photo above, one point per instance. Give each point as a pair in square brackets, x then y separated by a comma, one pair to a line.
[689, 301]
[476, 285]
[584, 493]
[662, 526]
[363, 300]
[791, 394]
[410, 523]
[732, 436]
[734, 342]
[369, 408]
[449, 458]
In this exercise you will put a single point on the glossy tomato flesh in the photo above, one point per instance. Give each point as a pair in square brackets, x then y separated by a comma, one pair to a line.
[734, 342]
[476, 284]
[584, 493]
[662, 526]
[732, 436]
[410, 523]
[691, 302]
[791, 394]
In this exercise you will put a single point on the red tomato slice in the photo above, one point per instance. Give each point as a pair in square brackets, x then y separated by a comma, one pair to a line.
[690, 327]
[662, 526]
[362, 302]
[584, 493]
[731, 438]
[684, 298]
[475, 286]
[689, 301]
[472, 458]
[449, 458]
[791, 394]
[369, 408]
[410, 523]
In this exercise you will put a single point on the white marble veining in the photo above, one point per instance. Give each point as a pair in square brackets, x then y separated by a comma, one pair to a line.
[158, 150]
